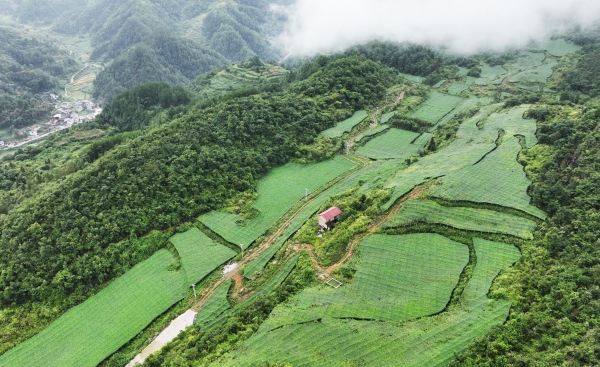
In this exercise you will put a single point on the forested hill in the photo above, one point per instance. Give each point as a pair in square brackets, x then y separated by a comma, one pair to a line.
[59, 242]
[159, 40]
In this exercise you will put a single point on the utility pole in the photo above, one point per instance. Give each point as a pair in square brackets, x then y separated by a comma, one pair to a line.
[194, 288]
[242, 248]
[305, 193]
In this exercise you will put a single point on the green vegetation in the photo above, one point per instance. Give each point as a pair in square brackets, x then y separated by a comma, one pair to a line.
[436, 106]
[87, 334]
[457, 88]
[556, 47]
[346, 125]
[471, 219]
[427, 341]
[497, 179]
[395, 143]
[374, 131]
[277, 192]
[199, 254]
[390, 284]
[215, 305]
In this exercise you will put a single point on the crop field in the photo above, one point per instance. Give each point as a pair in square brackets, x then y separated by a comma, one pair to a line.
[436, 107]
[462, 107]
[412, 78]
[438, 84]
[395, 143]
[277, 192]
[492, 72]
[216, 304]
[427, 341]
[528, 60]
[483, 220]
[476, 138]
[345, 126]
[457, 88]
[386, 117]
[557, 47]
[389, 285]
[539, 74]
[374, 131]
[88, 333]
[498, 179]
[199, 254]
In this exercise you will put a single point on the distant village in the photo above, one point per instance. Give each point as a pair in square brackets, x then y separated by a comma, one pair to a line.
[66, 114]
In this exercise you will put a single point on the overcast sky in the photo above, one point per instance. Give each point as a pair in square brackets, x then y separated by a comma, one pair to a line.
[466, 26]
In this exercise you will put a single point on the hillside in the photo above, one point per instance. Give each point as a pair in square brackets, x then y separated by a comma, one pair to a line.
[467, 189]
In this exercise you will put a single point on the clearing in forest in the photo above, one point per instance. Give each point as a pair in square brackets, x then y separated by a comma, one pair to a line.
[345, 126]
[277, 193]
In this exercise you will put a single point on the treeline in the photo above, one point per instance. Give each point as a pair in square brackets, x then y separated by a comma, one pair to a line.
[28, 68]
[54, 244]
[555, 319]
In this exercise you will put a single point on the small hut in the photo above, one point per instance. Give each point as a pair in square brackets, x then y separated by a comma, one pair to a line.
[329, 217]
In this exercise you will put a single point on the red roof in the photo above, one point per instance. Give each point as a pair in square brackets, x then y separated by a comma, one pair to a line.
[331, 213]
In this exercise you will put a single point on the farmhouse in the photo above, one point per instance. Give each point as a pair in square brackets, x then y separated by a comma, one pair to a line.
[329, 217]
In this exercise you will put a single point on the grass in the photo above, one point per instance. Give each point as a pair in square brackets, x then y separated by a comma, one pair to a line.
[88, 333]
[428, 341]
[399, 278]
[199, 254]
[216, 304]
[345, 126]
[498, 179]
[483, 220]
[436, 107]
[395, 143]
[277, 192]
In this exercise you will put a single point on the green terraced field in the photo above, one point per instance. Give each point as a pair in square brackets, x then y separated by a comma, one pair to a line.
[199, 254]
[386, 117]
[457, 88]
[436, 107]
[428, 341]
[374, 131]
[557, 47]
[527, 60]
[498, 179]
[482, 220]
[539, 74]
[87, 334]
[399, 278]
[462, 107]
[412, 78]
[216, 304]
[474, 139]
[395, 143]
[345, 126]
[277, 192]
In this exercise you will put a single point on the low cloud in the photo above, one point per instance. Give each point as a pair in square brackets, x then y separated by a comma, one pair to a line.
[465, 26]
